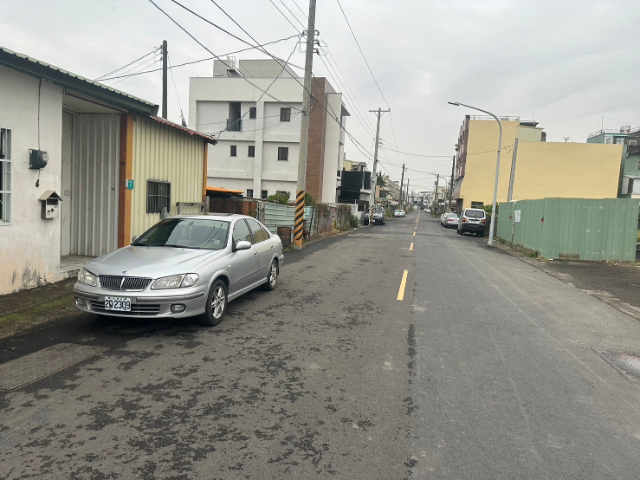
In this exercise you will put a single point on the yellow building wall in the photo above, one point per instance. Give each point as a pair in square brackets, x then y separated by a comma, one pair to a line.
[566, 170]
[480, 169]
[543, 169]
[166, 154]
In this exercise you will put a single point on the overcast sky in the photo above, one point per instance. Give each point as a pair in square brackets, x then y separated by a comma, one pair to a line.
[564, 63]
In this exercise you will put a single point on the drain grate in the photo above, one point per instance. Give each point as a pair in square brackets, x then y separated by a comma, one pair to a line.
[35, 366]
[626, 363]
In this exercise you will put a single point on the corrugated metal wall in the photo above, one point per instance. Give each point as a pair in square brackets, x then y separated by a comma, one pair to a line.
[94, 184]
[573, 228]
[164, 154]
[276, 215]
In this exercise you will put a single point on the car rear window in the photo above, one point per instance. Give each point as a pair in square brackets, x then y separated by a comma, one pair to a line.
[474, 213]
[453, 216]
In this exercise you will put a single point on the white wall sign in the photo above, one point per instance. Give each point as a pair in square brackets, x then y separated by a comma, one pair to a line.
[517, 216]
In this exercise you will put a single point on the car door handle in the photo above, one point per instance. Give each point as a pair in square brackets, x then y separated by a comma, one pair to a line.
[255, 254]
[271, 247]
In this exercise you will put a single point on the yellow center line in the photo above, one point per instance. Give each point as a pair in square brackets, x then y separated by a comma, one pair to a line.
[411, 247]
[414, 234]
[403, 285]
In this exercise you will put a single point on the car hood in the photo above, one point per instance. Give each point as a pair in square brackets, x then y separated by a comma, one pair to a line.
[152, 262]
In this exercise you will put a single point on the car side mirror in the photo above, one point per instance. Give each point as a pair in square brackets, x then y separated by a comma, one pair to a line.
[242, 245]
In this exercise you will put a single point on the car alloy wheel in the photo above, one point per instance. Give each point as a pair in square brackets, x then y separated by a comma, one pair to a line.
[216, 304]
[272, 276]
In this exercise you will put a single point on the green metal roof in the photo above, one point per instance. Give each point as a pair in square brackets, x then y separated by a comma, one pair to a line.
[39, 69]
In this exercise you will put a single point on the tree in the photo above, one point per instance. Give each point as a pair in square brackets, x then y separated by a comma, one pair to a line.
[280, 197]
[380, 181]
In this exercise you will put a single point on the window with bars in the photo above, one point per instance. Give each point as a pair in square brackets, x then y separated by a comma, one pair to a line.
[158, 196]
[252, 150]
[249, 192]
[252, 112]
[5, 176]
[285, 114]
[264, 194]
[283, 153]
[234, 151]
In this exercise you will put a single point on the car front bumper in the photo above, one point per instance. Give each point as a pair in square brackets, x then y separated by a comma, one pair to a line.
[144, 304]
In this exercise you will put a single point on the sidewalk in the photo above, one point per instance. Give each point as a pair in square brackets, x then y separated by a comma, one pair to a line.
[614, 283]
[29, 308]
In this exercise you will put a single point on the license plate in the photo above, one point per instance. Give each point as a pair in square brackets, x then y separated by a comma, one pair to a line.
[121, 304]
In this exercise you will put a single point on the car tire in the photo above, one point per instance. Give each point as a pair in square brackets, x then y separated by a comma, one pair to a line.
[214, 313]
[272, 277]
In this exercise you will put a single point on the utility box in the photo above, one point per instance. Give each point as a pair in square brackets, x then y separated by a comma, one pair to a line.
[50, 204]
[38, 159]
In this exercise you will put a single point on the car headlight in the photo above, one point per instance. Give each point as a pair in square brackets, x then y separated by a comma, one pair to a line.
[87, 278]
[175, 281]
[190, 280]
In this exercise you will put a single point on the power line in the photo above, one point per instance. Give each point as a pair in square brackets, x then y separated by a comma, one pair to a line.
[184, 123]
[205, 59]
[296, 18]
[216, 56]
[362, 53]
[285, 17]
[125, 66]
[226, 31]
[154, 60]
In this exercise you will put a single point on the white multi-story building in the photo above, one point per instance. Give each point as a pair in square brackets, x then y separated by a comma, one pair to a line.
[259, 136]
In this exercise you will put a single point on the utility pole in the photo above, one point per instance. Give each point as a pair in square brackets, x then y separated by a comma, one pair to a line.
[304, 128]
[401, 185]
[437, 207]
[378, 113]
[453, 167]
[407, 196]
[164, 79]
[513, 170]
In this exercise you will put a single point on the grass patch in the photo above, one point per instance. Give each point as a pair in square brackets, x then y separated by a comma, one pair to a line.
[37, 310]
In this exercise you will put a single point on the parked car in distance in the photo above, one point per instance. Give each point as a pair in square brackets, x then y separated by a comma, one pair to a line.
[451, 220]
[442, 217]
[181, 267]
[473, 220]
[399, 213]
[379, 216]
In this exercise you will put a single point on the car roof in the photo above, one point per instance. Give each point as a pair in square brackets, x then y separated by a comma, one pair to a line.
[215, 216]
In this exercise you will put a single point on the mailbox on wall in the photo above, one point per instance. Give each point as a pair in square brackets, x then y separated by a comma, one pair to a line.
[50, 204]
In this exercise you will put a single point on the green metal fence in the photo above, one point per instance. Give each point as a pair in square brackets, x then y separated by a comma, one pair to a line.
[572, 228]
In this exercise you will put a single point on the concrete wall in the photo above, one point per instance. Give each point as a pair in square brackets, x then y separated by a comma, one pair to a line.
[30, 246]
[543, 169]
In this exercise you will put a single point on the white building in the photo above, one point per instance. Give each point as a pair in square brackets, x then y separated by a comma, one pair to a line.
[259, 137]
[83, 168]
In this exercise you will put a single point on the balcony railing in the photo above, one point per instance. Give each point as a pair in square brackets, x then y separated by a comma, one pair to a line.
[234, 125]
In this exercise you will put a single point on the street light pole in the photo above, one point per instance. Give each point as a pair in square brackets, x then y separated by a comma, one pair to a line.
[495, 188]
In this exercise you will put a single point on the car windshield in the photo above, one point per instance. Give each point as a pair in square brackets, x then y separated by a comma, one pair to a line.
[474, 214]
[186, 233]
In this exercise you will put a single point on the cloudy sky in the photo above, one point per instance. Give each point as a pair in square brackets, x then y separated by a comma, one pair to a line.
[568, 64]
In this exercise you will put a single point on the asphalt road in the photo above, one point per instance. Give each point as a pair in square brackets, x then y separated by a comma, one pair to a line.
[483, 369]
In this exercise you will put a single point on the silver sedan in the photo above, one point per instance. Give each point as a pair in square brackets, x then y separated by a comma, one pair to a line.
[181, 267]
